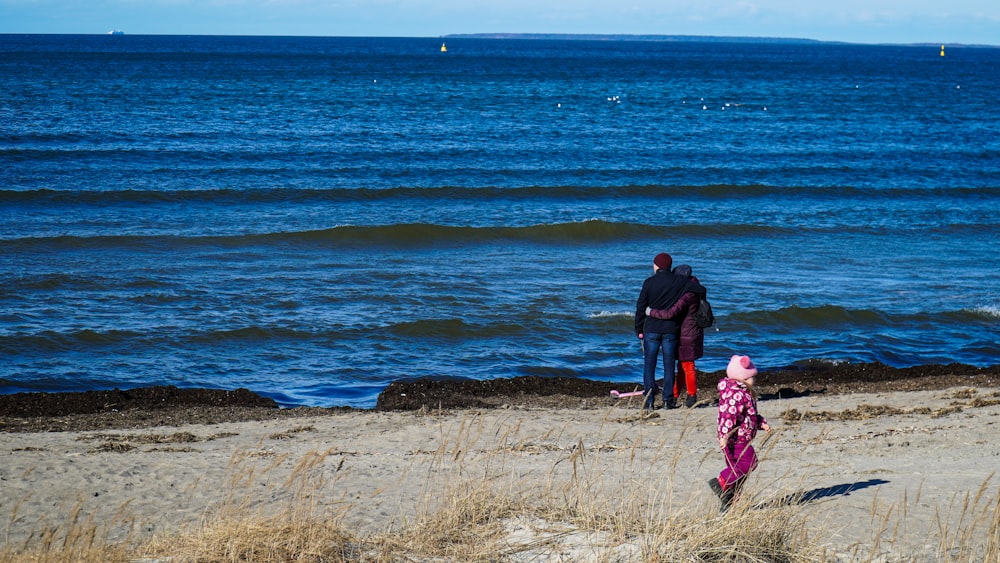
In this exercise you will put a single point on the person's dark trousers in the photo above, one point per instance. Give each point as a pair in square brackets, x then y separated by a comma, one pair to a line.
[655, 344]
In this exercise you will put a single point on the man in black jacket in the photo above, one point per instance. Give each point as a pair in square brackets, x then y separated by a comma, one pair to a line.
[659, 336]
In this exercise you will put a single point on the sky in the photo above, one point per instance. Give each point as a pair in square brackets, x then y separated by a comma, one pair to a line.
[856, 21]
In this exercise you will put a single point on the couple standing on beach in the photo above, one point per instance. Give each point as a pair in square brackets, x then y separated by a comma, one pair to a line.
[665, 322]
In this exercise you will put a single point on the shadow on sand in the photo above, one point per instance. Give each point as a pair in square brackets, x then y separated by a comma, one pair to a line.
[824, 492]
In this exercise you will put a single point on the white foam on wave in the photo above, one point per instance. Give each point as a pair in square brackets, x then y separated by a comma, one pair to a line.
[822, 362]
[987, 310]
[605, 314]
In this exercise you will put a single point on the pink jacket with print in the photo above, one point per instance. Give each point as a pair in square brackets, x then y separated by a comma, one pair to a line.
[738, 409]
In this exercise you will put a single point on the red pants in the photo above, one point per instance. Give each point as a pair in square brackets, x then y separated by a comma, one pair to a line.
[690, 379]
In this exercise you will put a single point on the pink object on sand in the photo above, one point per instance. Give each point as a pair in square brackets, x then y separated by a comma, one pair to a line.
[618, 395]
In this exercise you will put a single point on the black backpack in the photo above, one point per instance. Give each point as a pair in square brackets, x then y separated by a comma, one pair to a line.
[704, 317]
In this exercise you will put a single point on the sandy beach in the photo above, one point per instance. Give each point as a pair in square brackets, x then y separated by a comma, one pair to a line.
[899, 475]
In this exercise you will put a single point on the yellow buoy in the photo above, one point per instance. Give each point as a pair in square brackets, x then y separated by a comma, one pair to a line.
[445, 49]
[942, 50]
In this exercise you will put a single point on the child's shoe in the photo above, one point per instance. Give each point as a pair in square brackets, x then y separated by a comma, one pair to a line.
[731, 492]
[691, 401]
[726, 495]
[716, 487]
[726, 499]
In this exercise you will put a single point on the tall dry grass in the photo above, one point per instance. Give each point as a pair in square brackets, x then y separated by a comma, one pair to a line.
[596, 504]
[78, 538]
[991, 551]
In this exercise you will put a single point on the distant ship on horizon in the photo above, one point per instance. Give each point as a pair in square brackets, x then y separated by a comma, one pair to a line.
[116, 32]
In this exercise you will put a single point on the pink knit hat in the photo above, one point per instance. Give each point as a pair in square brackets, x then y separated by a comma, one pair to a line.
[741, 368]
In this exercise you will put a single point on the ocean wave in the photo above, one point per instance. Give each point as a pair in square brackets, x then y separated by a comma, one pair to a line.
[53, 341]
[812, 317]
[88, 340]
[482, 193]
[156, 290]
[249, 334]
[56, 282]
[579, 232]
[453, 329]
[407, 235]
[988, 311]
[833, 316]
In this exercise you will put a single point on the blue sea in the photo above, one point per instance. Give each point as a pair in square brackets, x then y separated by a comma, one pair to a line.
[313, 218]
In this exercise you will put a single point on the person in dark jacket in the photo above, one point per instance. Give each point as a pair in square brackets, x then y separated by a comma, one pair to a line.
[659, 336]
[691, 345]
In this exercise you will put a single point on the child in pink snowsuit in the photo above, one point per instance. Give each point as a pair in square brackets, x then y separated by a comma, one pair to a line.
[738, 424]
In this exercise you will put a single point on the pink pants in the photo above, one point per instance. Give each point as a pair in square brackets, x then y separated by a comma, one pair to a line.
[741, 459]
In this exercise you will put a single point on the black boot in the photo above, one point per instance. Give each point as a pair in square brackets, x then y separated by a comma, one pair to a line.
[691, 401]
[726, 499]
[647, 399]
[669, 403]
[716, 487]
[731, 493]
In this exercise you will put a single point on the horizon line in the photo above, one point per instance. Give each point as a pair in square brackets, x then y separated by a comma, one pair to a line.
[644, 37]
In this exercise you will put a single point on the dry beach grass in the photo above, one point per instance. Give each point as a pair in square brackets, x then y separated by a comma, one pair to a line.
[877, 476]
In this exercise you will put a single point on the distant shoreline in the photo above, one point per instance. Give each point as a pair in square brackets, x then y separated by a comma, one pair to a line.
[627, 37]
[688, 39]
